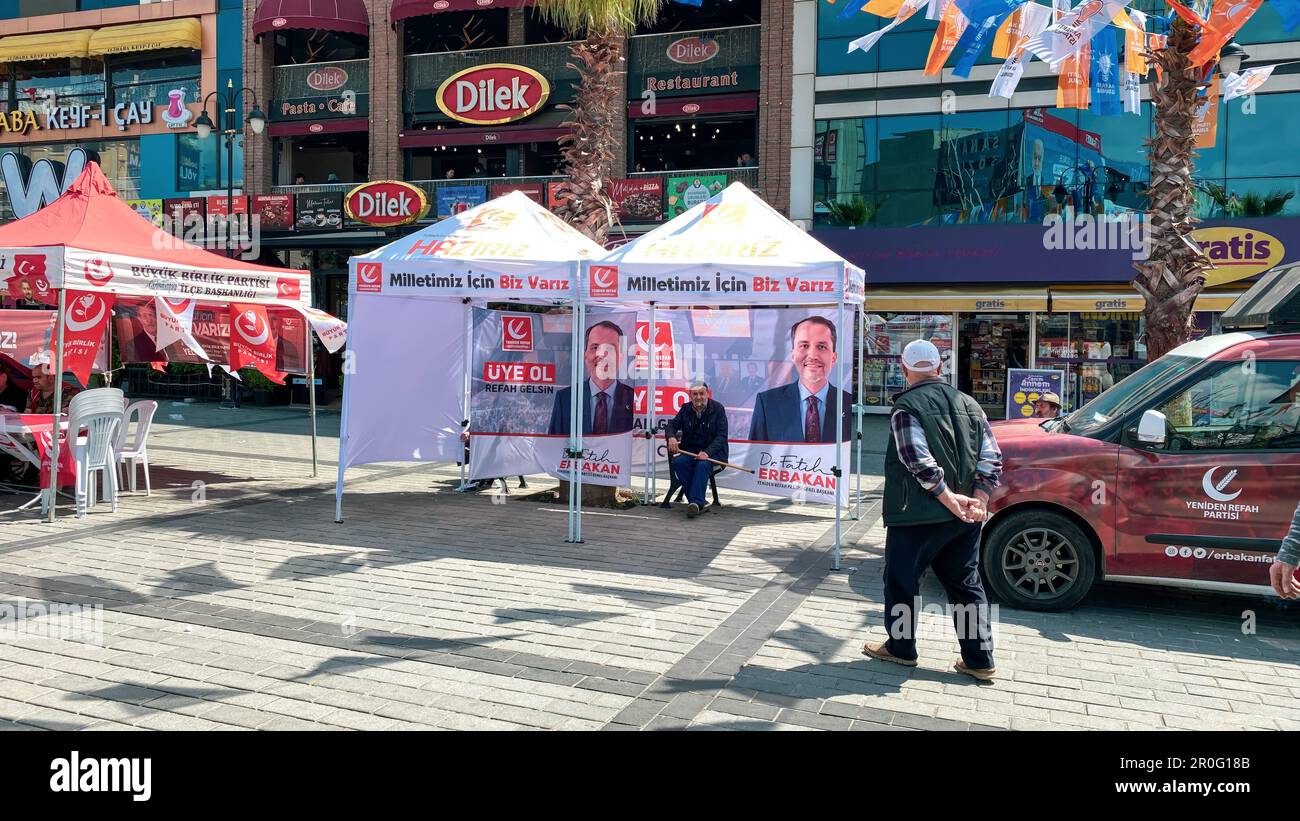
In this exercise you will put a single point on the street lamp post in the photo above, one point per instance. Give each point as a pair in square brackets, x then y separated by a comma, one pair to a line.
[231, 130]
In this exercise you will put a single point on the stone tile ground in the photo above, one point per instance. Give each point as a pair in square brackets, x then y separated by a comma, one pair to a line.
[238, 603]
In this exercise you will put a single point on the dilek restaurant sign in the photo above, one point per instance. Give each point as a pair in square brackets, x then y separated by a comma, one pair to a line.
[701, 62]
[493, 94]
[386, 203]
[321, 91]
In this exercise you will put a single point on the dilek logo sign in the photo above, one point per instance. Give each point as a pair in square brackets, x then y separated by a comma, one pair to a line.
[1238, 252]
[493, 94]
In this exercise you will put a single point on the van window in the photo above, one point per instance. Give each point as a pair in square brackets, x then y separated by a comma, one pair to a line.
[1135, 388]
[1238, 406]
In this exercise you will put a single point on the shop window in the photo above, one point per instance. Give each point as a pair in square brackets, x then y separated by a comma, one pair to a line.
[537, 29]
[457, 31]
[322, 159]
[987, 345]
[1238, 408]
[886, 336]
[1095, 350]
[119, 160]
[1253, 128]
[203, 164]
[318, 46]
[710, 14]
[73, 81]
[461, 162]
[693, 144]
[153, 77]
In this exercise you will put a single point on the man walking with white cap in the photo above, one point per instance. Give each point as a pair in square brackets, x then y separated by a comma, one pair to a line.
[940, 466]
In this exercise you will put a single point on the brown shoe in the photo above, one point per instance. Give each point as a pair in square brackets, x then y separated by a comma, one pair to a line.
[880, 651]
[979, 673]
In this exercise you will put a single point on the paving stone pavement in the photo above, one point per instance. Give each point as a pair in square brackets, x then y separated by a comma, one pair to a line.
[238, 603]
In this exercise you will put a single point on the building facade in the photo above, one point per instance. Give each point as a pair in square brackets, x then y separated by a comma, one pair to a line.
[1002, 229]
[412, 90]
[124, 83]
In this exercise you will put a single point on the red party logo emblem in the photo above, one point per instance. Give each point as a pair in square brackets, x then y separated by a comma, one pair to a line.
[604, 281]
[517, 333]
[97, 272]
[177, 306]
[85, 313]
[370, 277]
[288, 288]
[253, 328]
[663, 344]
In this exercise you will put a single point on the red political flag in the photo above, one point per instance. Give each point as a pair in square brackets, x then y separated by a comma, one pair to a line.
[85, 318]
[252, 344]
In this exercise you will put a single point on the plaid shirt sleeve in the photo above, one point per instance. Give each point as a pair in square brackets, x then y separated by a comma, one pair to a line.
[914, 452]
[988, 470]
[1289, 553]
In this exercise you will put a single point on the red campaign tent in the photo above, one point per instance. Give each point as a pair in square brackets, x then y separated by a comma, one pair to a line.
[88, 249]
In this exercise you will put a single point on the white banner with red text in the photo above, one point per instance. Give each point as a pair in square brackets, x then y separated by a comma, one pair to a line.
[606, 458]
[794, 470]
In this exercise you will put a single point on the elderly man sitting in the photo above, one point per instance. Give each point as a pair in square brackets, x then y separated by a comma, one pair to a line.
[699, 428]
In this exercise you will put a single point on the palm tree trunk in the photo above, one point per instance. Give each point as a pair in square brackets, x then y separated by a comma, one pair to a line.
[588, 149]
[1174, 272]
[588, 152]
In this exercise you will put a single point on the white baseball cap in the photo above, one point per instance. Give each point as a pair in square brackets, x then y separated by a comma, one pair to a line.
[921, 355]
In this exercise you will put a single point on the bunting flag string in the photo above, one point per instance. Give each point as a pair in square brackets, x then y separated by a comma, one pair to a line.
[1072, 31]
[1226, 19]
[1240, 84]
[908, 8]
[951, 27]
[1104, 76]
[1033, 19]
[973, 41]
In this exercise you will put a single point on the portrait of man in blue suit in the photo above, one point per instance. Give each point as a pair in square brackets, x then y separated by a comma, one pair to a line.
[607, 402]
[804, 410]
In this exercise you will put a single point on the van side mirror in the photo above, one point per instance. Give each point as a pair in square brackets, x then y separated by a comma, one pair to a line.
[1152, 427]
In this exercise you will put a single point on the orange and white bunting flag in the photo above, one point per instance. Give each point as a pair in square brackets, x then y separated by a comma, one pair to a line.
[951, 27]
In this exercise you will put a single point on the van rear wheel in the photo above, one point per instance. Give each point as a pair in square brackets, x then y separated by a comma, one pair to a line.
[1038, 560]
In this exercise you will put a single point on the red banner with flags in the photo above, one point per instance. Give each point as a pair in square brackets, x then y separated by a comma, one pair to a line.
[85, 318]
[251, 342]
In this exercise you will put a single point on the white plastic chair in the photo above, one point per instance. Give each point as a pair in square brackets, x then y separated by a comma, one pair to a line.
[135, 451]
[99, 412]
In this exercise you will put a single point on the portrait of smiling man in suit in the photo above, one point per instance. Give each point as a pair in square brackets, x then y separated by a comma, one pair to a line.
[607, 402]
[804, 410]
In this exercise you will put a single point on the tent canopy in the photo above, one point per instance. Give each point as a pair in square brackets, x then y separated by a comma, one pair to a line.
[732, 249]
[507, 248]
[89, 239]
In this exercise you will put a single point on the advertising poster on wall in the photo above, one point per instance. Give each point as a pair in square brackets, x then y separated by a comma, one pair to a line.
[684, 193]
[639, 200]
[457, 198]
[520, 396]
[1025, 385]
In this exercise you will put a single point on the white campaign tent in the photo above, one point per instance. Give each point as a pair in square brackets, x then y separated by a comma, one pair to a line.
[406, 393]
[732, 250]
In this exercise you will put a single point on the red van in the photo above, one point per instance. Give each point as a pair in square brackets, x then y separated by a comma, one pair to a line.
[1185, 474]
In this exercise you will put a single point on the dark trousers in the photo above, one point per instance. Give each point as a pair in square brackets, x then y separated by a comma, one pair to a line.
[693, 474]
[952, 551]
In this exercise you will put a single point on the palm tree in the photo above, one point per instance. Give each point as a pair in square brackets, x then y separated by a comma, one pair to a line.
[598, 109]
[1173, 274]
[594, 127]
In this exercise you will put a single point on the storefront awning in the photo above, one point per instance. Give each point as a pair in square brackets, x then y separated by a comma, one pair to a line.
[186, 32]
[402, 9]
[1092, 302]
[688, 106]
[1216, 300]
[348, 16]
[982, 300]
[49, 45]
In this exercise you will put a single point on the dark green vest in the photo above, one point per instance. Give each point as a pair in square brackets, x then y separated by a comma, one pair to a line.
[954, 425]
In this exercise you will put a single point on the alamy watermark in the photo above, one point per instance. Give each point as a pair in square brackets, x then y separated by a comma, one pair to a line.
[237, 233]
[32, 618]
[1127, 231]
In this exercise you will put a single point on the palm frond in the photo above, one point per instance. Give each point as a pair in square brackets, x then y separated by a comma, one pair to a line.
[578, 16]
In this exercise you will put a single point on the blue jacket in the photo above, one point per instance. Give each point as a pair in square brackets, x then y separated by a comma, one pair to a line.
[707, 431]
[778, 415]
